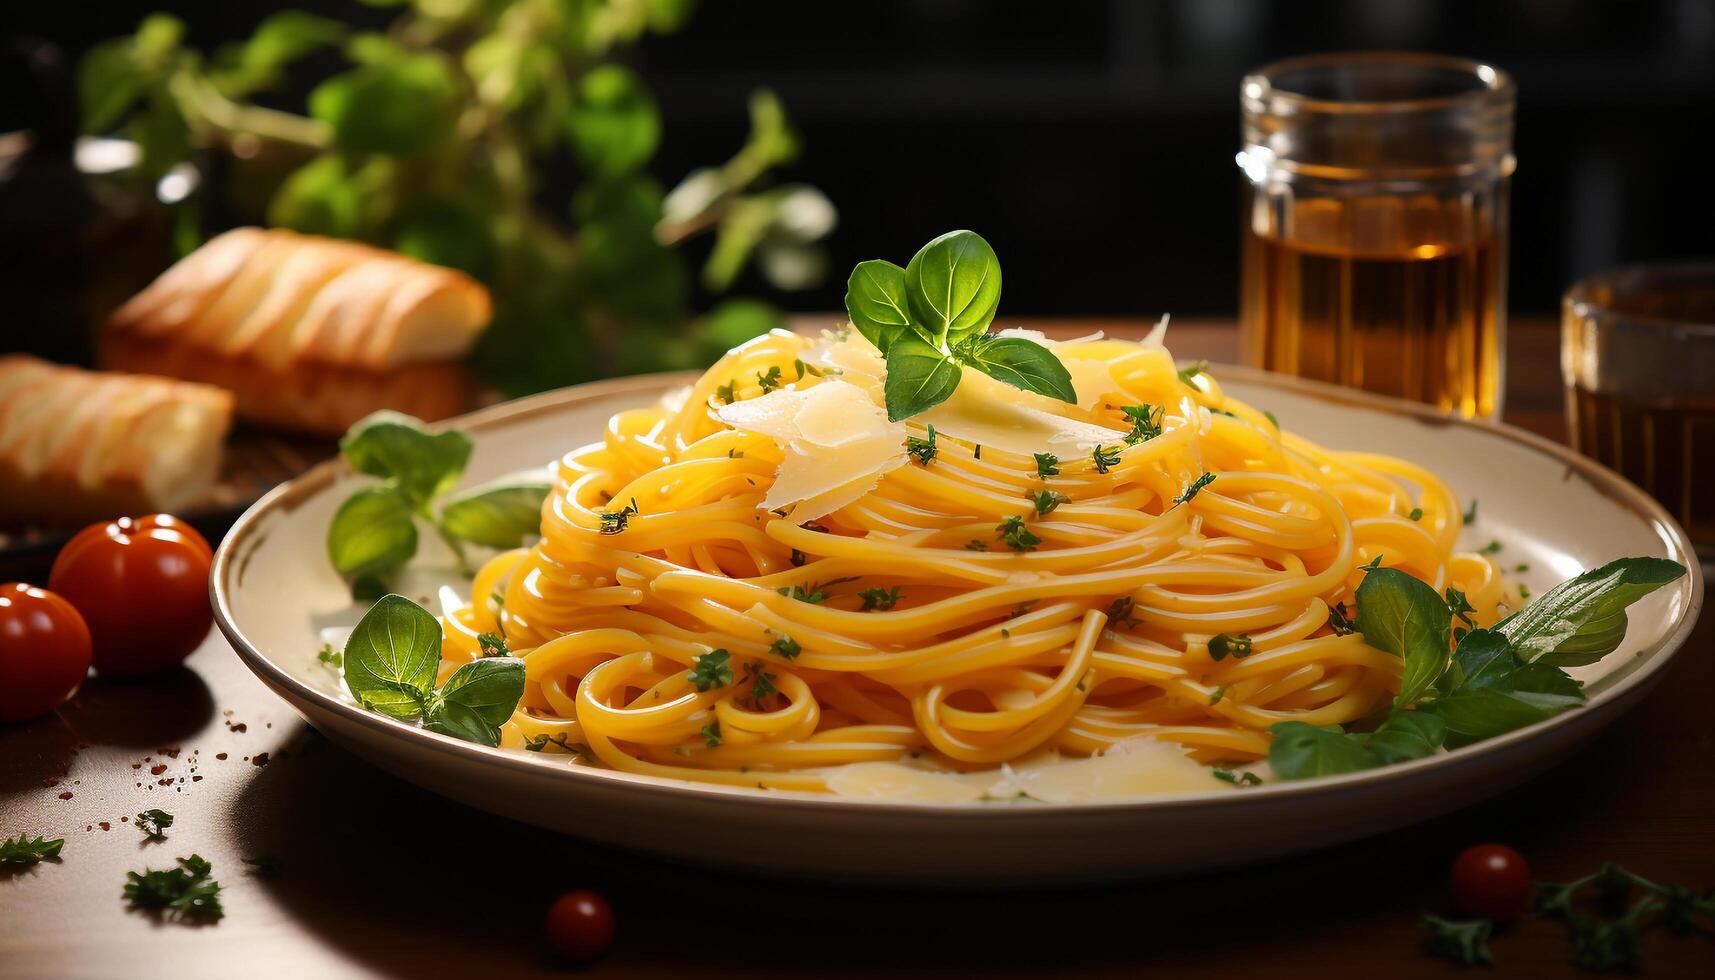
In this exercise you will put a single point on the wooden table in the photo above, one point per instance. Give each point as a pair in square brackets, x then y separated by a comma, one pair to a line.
[379, 878]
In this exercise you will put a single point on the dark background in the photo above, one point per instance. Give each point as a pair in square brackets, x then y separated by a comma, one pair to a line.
[1093, 142]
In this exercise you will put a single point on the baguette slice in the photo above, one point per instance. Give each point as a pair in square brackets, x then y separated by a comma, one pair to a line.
[309, 333]
[83, 445]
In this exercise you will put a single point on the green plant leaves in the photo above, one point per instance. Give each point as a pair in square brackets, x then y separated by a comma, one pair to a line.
[1303, 751]
[392, 656]
[1402, 615]
[397, 447]
[1019, 362]
[614, 125]
[1490, 690]
[322, 197]
[919, 377]
[953, 286]
[372, 532]
[877, 304]
[499, 515]
[1582, 620]
[476, 700]
[1406, 735]
[400, 103]
[279, 40]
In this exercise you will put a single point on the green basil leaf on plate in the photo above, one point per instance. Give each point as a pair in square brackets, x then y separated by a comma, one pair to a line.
[1402, 615]
[477, 699]
[1583, 619]
[372, 532]
[1406, 735]
[392, 657]
[876, 303]
[397, 447]
[1021, 363]
[499, 515]
[919, 377]
[1490, 690]
[1302, 751]
[952, 286]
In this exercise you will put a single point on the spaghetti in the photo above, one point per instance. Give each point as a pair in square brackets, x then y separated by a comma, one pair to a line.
[967, 606]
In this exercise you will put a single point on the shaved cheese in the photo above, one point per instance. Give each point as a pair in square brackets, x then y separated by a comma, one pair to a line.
[836, 444]
[1141, 767]
[895, 781]
[990, 413]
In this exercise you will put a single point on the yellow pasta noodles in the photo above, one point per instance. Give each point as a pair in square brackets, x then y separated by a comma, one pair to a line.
[907, 624]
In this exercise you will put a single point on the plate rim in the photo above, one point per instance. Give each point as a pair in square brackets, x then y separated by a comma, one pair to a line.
[234, 555]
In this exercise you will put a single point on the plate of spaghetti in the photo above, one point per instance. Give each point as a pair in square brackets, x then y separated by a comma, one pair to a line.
[911, 599]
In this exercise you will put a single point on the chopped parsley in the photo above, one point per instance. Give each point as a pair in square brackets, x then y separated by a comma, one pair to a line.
[154, 823]
[1492, 548]
[761, 683]
[786, 647]
[811, 592]
[1187, 373]
[1471, 512]
[492, 645]
[726, 393]
[537, 743]
[923, 449]
[810, 369]
[1047, 464]
[1223, 644]
[1339, 622]
[1523, 591]
[1121, 611]
[1196, 486]
[878, 598]
[711, 734]
[1416, 514]
[1460, 606]
[1217, 694]
[768, 380]
[1236, 778]
[1463, 942]
[711, 670]
[22, 851]
[1271, 419]
[1521, 568]
[1105, 458]
[184, 892]
[1371, 565]
[1145, 422]
[976, 545]
[1047, 500]
[328, 655]
[617, 521]
[1016, 535]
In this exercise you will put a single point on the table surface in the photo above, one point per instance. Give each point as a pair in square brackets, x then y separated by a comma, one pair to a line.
[379, 878]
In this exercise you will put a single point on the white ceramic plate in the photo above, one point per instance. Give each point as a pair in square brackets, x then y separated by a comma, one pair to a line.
[275, 594]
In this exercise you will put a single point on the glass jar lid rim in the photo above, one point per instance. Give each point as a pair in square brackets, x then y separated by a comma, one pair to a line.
[1580, 299]
[1261, 83]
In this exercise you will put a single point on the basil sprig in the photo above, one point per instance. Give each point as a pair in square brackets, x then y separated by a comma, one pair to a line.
[374, 532]
[392, 658]
[930, 320]
[1495, 681]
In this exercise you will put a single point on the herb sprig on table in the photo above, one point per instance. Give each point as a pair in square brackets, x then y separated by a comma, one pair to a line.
[930, 320]
[391, 662]
[184, 893]
[374, 532]
[1494, 680]
[23, 850]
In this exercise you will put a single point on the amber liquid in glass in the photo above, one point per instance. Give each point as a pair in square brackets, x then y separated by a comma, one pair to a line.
[1392, 295]
[1667, 449]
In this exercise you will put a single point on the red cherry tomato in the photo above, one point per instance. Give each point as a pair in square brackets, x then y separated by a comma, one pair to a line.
[579, 925]
[142, 586]
[1491, 881]
[44, 651]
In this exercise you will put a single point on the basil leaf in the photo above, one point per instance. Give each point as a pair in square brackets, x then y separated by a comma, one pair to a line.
[1021, 363]
[1404, 616]
[477, 699]
[1406, 735]
[499, 515]
[1490, 690]
[372, 532]
[1301, 750]
[875, 301]
[391, 657]
[952, 286]
[1582, 620]
[919, 377]
[396, 447]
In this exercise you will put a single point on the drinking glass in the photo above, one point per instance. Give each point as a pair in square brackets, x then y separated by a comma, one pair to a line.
[1374, 224]
[1637, 352]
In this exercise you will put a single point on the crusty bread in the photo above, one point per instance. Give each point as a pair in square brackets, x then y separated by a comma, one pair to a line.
[84, 445]
[310, 333]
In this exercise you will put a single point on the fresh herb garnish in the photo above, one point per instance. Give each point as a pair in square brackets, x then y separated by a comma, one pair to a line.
[328, 655]
[613, 522]
[923, 449]
[391, 661]
[1222, 644]
[22, 851]
[1047, 500]
[1416, 514]
[492, 645]
[1196, 486]
[1463, 942]
[154, 823]
[1339, 622]
[711, 670]
[1105, 459]
[1145, 422]
[768, 380]
[811, 592]
[711, 734]
[1271, 419]
[786, 647]
[1216, 695]
[1460, 606]
[374, 532]
[1047, 465]
[976, 545]
[540, 742]
[1470, 514]
[181, 893]
[726, 393]
[930, 321]
[761, 683]
[879, 598]
[1016, 535]
[1236, 778]
[1192, 370]
[1121, 611]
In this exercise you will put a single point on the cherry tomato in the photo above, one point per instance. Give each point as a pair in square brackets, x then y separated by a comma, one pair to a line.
[44, 651]
[1491, 881]
[142, 586]
[579, 925]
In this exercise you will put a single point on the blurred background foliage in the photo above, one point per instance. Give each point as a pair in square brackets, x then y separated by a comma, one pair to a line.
[432, 137]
